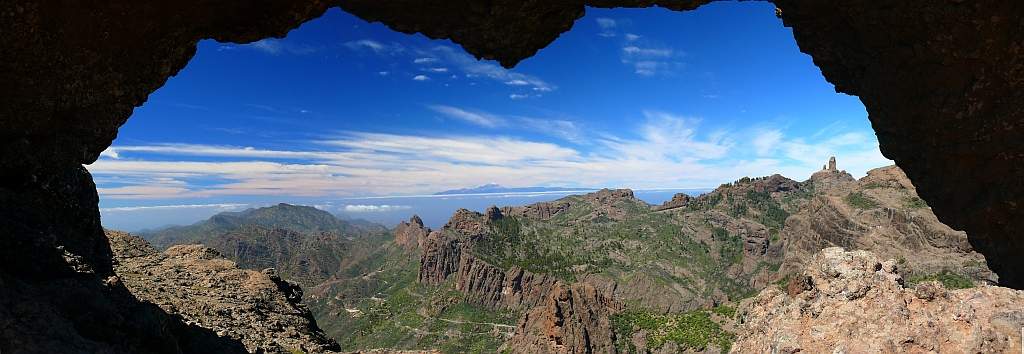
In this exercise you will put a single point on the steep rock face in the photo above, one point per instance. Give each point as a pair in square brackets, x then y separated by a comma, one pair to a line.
[259, 309]
[446, 253]
[411, 235]
[573, 319]
[855, 302]
[494, 287]
[441, 257]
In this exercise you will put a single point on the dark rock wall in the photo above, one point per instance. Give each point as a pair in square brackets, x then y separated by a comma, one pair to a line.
[941, 81]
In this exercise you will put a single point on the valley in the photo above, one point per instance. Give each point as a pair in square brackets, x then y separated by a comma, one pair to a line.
[596, 272]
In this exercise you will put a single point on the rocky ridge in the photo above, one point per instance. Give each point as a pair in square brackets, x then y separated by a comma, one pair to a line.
[257, 308]
[749, 234]
[854, 302]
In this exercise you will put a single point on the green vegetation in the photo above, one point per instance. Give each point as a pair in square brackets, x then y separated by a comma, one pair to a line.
[914, 203]
[860, 201]
[949, 279]
[770, 213]
[874, 185]
[724, 311]
[690, 330]
[392, 310]
[731, 249]
[783, 282]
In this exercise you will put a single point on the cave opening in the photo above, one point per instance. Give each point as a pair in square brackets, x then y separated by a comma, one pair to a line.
[938, 80]
[648, 99]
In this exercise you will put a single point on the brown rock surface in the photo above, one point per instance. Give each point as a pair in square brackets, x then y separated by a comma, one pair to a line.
[573, 319]
[854, 302]
[411, 235]
[890, 220]
[195, 282]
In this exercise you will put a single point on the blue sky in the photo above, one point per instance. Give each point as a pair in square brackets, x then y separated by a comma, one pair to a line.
[340, 108]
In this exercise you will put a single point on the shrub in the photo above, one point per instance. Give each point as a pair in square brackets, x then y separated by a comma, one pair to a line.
[914, 203]
[949, 279]
[690, 330]
[860, 201]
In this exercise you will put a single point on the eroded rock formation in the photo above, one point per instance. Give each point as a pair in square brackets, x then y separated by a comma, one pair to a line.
[573, 319]
[411, 235]
[854, 302]
[259, 309]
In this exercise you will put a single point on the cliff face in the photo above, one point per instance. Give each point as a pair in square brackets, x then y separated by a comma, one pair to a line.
[572, 319]
[448, 253]
[411, 235]
[258, 309]
[855, 302]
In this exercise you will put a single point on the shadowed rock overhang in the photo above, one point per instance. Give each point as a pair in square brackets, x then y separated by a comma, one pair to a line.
[941, 80]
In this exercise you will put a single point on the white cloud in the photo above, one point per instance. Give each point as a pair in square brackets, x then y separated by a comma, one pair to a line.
[606, 23]
[375, 46]
[607, 26]
[516, 96]
[767, 141]
[383, 73]
[362, 208]
[438, 70]
[271, 46]
[665, 151]
[276, 46]
[517, 83]
[424, 60]
[647, 52]
[478, 118]
[474, 68]
[568, 130]
[646, 57]
[420, 78]
[227, 206]
[110, 152]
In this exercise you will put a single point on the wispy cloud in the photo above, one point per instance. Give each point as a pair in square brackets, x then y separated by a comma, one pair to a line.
[420, 78]
[565, 129]
[665, 150]
[478, 118]
[375, 47]
[275, 46]
[371, 208]
[607, 26]
[645, 56]
[445, 59]
[223, 207]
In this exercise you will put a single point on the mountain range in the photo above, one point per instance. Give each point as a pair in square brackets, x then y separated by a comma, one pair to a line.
[597, 272]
